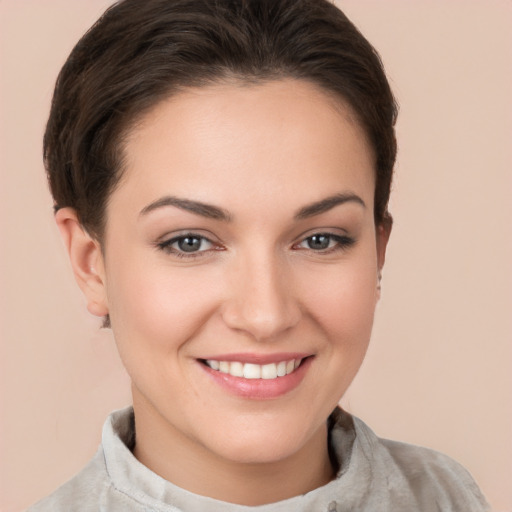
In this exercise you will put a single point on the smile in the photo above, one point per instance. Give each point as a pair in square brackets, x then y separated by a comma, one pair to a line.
[255, 371]
[256, 376]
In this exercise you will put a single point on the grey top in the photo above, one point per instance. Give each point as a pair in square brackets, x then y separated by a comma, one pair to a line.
[375, 475]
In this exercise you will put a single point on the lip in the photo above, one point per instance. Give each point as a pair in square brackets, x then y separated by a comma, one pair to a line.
[259, 389]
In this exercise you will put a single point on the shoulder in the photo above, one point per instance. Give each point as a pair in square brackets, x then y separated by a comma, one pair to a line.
[442, 476]
[92, 489]
[434, 480]
[82, 492]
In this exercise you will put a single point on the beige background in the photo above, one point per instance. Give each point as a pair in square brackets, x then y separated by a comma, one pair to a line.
[439, 370]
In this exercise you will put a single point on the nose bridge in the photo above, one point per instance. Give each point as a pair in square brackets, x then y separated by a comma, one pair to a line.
[262, 301]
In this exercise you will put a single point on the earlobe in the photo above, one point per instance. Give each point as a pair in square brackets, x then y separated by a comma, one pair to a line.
[86, 260]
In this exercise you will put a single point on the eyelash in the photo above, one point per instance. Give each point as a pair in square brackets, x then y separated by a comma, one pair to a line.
[342, 242]
[167, 246]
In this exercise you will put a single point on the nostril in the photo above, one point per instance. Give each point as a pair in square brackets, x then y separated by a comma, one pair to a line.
[260, 322]
[260, 300]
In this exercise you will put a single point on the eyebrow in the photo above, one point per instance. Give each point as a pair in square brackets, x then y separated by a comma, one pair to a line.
[214, 212]
[327, 204]
[197, 207]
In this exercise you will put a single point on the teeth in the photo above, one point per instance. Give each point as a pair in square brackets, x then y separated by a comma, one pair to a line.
[214, 365]
[269, 371]
[236, 369]
[252, 371]
[255, 371]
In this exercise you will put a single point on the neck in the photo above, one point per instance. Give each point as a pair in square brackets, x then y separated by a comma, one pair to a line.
[180, 460]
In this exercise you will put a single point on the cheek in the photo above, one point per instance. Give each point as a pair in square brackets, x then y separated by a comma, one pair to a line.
[157, 307]
[343, 302]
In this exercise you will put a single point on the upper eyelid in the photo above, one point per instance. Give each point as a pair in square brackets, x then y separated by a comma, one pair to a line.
[341, 242]
[334, 236]
[176, 235]
[333, 231]
[173, 239]
[167, 246]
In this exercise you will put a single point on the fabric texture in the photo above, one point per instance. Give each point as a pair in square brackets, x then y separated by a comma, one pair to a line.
[375, 475]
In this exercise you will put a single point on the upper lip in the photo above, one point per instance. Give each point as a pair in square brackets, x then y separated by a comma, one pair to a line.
[258, 358]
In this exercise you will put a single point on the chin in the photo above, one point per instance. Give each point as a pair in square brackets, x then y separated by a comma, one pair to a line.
[266, 441]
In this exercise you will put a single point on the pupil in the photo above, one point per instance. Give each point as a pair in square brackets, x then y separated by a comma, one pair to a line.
[189, 244]
[319, 242]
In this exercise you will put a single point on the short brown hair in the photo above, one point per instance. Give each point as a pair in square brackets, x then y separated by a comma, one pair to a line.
[141, 51]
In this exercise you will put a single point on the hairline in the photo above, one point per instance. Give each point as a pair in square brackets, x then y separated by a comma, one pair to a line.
[130, 123]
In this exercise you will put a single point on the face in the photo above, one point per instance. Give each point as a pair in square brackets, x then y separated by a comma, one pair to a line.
[240, 265]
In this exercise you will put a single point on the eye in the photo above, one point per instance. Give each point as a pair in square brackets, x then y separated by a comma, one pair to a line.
[187, 245]
[192, 243]
[326, 242]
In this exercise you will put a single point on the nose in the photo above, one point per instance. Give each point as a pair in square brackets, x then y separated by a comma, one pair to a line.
[261, 299]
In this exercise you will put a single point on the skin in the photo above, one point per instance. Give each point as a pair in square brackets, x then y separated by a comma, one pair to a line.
[261, 153]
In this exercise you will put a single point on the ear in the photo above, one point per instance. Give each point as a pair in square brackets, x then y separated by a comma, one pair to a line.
[383, 233]
[86, 260]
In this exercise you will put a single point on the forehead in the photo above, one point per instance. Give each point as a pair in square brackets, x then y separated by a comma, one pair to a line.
[265, 139]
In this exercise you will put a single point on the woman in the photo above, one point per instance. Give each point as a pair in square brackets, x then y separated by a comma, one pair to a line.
[221, 173]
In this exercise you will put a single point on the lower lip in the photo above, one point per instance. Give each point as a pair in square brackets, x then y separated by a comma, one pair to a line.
[259, 389]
